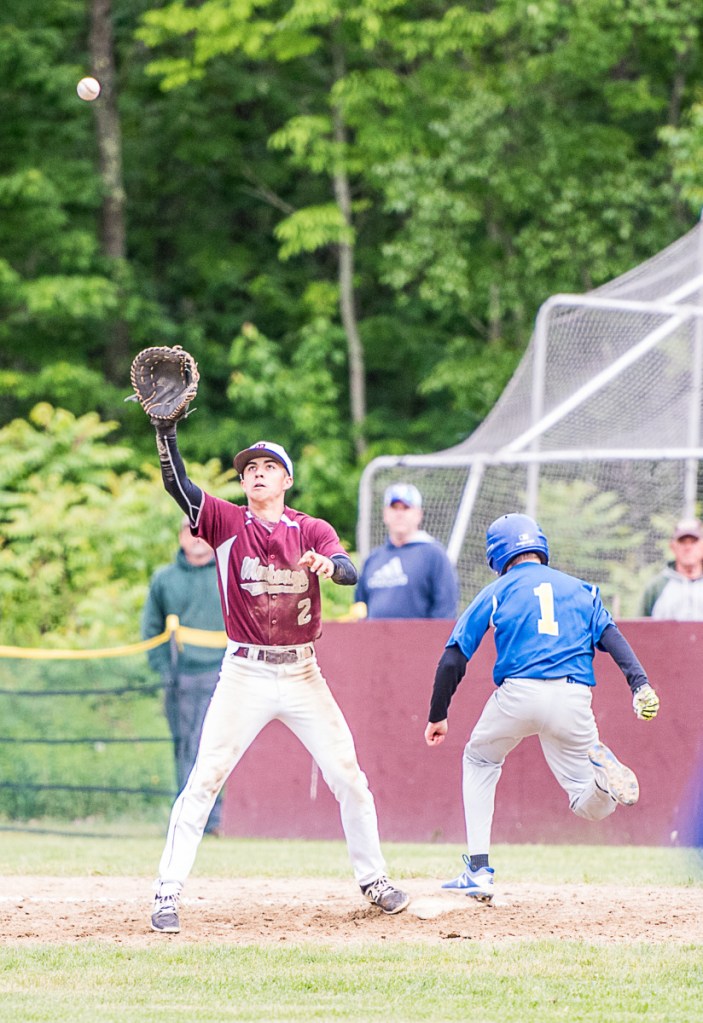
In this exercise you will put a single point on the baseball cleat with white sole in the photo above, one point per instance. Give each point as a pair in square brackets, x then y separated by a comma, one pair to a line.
[613, 777]
[386, 896]
[165, 915]
[476, 883]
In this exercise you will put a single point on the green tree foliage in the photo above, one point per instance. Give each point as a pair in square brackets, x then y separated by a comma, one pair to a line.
[80, 531]
[58, 294]
[495, 153]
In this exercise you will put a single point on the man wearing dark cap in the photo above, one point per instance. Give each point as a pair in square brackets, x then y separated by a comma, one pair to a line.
[270, 559]
[410, 576]
[676, 593]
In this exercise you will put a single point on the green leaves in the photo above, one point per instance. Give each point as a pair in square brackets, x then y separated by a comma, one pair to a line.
[299, 397]
[311, 228]
[686, 147]
[81, 532]
[70, 297]
[470, 160]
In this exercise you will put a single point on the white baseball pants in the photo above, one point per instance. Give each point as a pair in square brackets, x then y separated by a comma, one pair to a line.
[248, 695]
[560, 714]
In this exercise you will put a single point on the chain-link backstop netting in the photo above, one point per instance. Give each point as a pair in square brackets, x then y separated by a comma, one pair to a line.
[597, 435]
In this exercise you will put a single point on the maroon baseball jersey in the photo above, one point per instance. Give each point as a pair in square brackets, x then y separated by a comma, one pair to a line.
[268, 599]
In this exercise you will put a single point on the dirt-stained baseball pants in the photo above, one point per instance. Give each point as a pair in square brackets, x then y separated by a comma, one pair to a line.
[249, 694]
[559, 713]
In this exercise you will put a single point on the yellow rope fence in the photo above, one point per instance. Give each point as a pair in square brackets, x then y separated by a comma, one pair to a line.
[181, 634]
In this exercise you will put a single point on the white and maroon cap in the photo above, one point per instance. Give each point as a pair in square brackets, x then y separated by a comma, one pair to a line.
[261, 449]
[688, 527]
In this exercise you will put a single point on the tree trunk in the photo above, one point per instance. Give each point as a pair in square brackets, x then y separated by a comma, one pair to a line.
[495, 322]
[347, 300]
[113, 224]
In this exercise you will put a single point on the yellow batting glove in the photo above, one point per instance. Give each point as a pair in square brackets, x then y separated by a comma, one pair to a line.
[646, 703]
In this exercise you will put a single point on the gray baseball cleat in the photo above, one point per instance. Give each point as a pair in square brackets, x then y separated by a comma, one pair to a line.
[165, 915]
[612, 776]
[383, 894]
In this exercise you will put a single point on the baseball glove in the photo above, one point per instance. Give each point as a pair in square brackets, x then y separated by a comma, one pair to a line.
[165, 382]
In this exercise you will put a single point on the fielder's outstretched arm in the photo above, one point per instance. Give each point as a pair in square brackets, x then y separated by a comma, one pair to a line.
[185, 493]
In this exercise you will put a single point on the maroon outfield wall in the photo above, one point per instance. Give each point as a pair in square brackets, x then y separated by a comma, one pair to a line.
[381, 674]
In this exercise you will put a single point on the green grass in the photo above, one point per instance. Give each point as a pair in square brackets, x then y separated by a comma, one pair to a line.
[134, 849]
[520, 982]
[92, 707]
[511, 981]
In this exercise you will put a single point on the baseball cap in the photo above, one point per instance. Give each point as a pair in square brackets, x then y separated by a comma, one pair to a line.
[406, 493]
[260, 450]
[688, 527]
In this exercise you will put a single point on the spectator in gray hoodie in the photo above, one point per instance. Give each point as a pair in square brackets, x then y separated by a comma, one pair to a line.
[677, 592]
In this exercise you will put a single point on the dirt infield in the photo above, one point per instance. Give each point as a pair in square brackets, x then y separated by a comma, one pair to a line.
[239, 912]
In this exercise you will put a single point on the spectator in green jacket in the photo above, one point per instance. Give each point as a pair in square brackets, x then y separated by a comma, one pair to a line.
[186, 588]
[677, 592]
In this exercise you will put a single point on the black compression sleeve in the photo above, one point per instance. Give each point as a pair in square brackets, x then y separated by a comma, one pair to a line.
[185, 493]
[615, 644]
[345, 573]
[450, 671]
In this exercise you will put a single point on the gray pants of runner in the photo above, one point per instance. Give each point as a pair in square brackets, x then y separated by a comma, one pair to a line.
[559, 713]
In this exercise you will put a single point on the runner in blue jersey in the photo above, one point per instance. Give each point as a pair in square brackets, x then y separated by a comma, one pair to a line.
[547, 625]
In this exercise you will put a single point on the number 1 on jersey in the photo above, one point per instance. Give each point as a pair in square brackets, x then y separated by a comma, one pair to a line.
[547, 625]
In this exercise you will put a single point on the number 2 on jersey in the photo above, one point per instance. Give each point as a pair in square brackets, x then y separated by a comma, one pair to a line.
[304, 615]
[547, 625]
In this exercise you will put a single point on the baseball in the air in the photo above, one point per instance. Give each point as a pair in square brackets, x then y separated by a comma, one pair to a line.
[88, 89]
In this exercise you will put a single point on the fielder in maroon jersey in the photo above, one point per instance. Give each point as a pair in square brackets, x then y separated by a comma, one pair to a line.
[270, 559]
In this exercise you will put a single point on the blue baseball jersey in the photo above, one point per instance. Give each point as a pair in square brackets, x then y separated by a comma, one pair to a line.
[546, 624]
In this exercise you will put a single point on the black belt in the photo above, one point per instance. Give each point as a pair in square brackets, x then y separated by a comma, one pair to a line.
[290, 656]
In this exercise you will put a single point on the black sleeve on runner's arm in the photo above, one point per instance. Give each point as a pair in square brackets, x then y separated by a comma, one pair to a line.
[450, 671]
[345, 573]
[185, 493]
[614, 643]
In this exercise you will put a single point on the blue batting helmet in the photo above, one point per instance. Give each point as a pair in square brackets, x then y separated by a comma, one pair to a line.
[511, 535]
